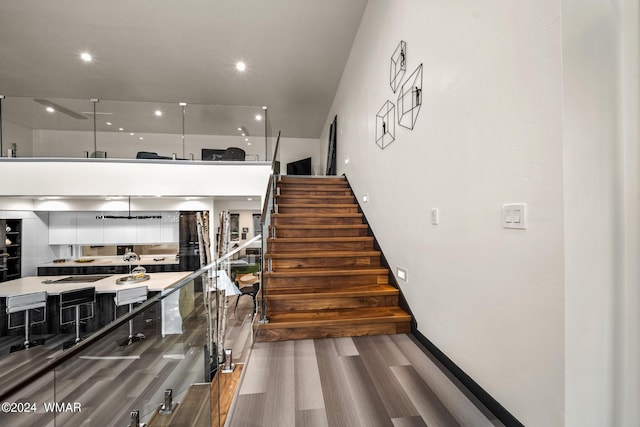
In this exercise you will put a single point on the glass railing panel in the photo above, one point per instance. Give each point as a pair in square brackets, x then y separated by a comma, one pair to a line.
[76, 128]
[126, 366]
[34, 405]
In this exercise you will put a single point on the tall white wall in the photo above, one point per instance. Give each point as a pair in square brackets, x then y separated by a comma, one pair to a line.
[601, 161]
[489, 132]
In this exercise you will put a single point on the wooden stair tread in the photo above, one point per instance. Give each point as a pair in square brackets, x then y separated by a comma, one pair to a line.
[304, 272]
[320, 239]
[313, 188]
[323, 288]
[322, 254]
[319, 215]
[347, 317]
[322, 179]
[319, 226]
[317, 292]
[317, 205]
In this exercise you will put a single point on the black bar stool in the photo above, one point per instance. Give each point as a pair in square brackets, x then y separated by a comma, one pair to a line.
[36, 301]
[130, 296]
[75, 299]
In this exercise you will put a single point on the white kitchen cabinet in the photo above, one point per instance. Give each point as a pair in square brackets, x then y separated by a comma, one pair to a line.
[148, 230]
[62, 228]
[119, 230]
[89, 229]
[170, 228]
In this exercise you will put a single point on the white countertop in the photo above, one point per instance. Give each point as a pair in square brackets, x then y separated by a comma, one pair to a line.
[27, 285]
[115, 260]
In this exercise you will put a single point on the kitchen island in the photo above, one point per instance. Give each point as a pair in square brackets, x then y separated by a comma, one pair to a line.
[105, 310]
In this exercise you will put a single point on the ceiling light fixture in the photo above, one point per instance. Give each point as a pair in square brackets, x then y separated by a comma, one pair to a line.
[51, 109]
[158, 113]
[86, 57]
[120, 129]
[241, 66]
[258, 117]
[109, 123]
[141, 138]
[131, 133]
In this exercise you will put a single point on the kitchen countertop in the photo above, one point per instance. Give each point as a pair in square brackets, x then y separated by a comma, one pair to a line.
[26, 285]
[115, 260]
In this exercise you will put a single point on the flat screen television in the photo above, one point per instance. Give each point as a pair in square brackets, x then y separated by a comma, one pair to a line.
[299, 167]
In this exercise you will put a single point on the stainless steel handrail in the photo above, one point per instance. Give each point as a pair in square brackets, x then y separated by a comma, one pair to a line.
[270, 194]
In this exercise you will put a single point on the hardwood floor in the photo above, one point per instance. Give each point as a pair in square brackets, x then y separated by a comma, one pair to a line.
[368, 381]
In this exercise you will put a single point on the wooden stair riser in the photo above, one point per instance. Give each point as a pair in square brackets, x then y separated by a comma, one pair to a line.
[318, 209]
[285, 232]
[302, 333]
[342, 262]
[330, 303]
[339, 189]
[317, 192]
[275, 246]
[341, 280]
[288, 179]
[314, 200]
[320, 220]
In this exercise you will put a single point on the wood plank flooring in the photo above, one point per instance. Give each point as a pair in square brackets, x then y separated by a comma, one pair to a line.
[368, 381]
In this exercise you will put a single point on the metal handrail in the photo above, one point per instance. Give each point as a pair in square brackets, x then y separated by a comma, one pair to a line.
[267, 196]
[51, 364]
[263, 218]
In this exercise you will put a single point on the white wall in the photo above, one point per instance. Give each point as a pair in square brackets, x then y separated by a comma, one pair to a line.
[489, 132]
[601, 160]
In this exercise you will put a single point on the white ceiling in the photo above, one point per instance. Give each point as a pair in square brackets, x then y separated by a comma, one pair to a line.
[167, 51]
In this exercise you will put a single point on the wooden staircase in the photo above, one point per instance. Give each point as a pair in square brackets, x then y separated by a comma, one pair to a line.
[325, 279]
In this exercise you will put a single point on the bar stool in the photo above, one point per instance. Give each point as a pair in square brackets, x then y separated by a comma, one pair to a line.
[76, 299]
[25, 302]
[129, 297]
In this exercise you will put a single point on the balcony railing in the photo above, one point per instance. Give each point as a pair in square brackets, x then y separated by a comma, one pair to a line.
[77, 128]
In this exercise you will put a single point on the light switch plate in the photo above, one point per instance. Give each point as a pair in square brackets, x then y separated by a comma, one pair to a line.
[514, 215]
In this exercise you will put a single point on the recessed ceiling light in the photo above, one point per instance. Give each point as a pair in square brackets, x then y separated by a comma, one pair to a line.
[131, 133]
[244, 134]
[182, 104]
[141, 138]
[249, 199]
[109, 123]
[50, 109]
[246, 139]
[120, 129]
[241, 66]
[158, 113]
[248, 143]
[86, 57]
[258, 117]
[240, 129]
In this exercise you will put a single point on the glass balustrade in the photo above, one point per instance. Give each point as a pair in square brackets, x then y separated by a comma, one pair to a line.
[156, 354]
[77, 128]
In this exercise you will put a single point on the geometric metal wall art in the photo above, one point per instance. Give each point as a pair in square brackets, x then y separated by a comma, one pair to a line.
[398, 66]
[410, 99]
[386, 125]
